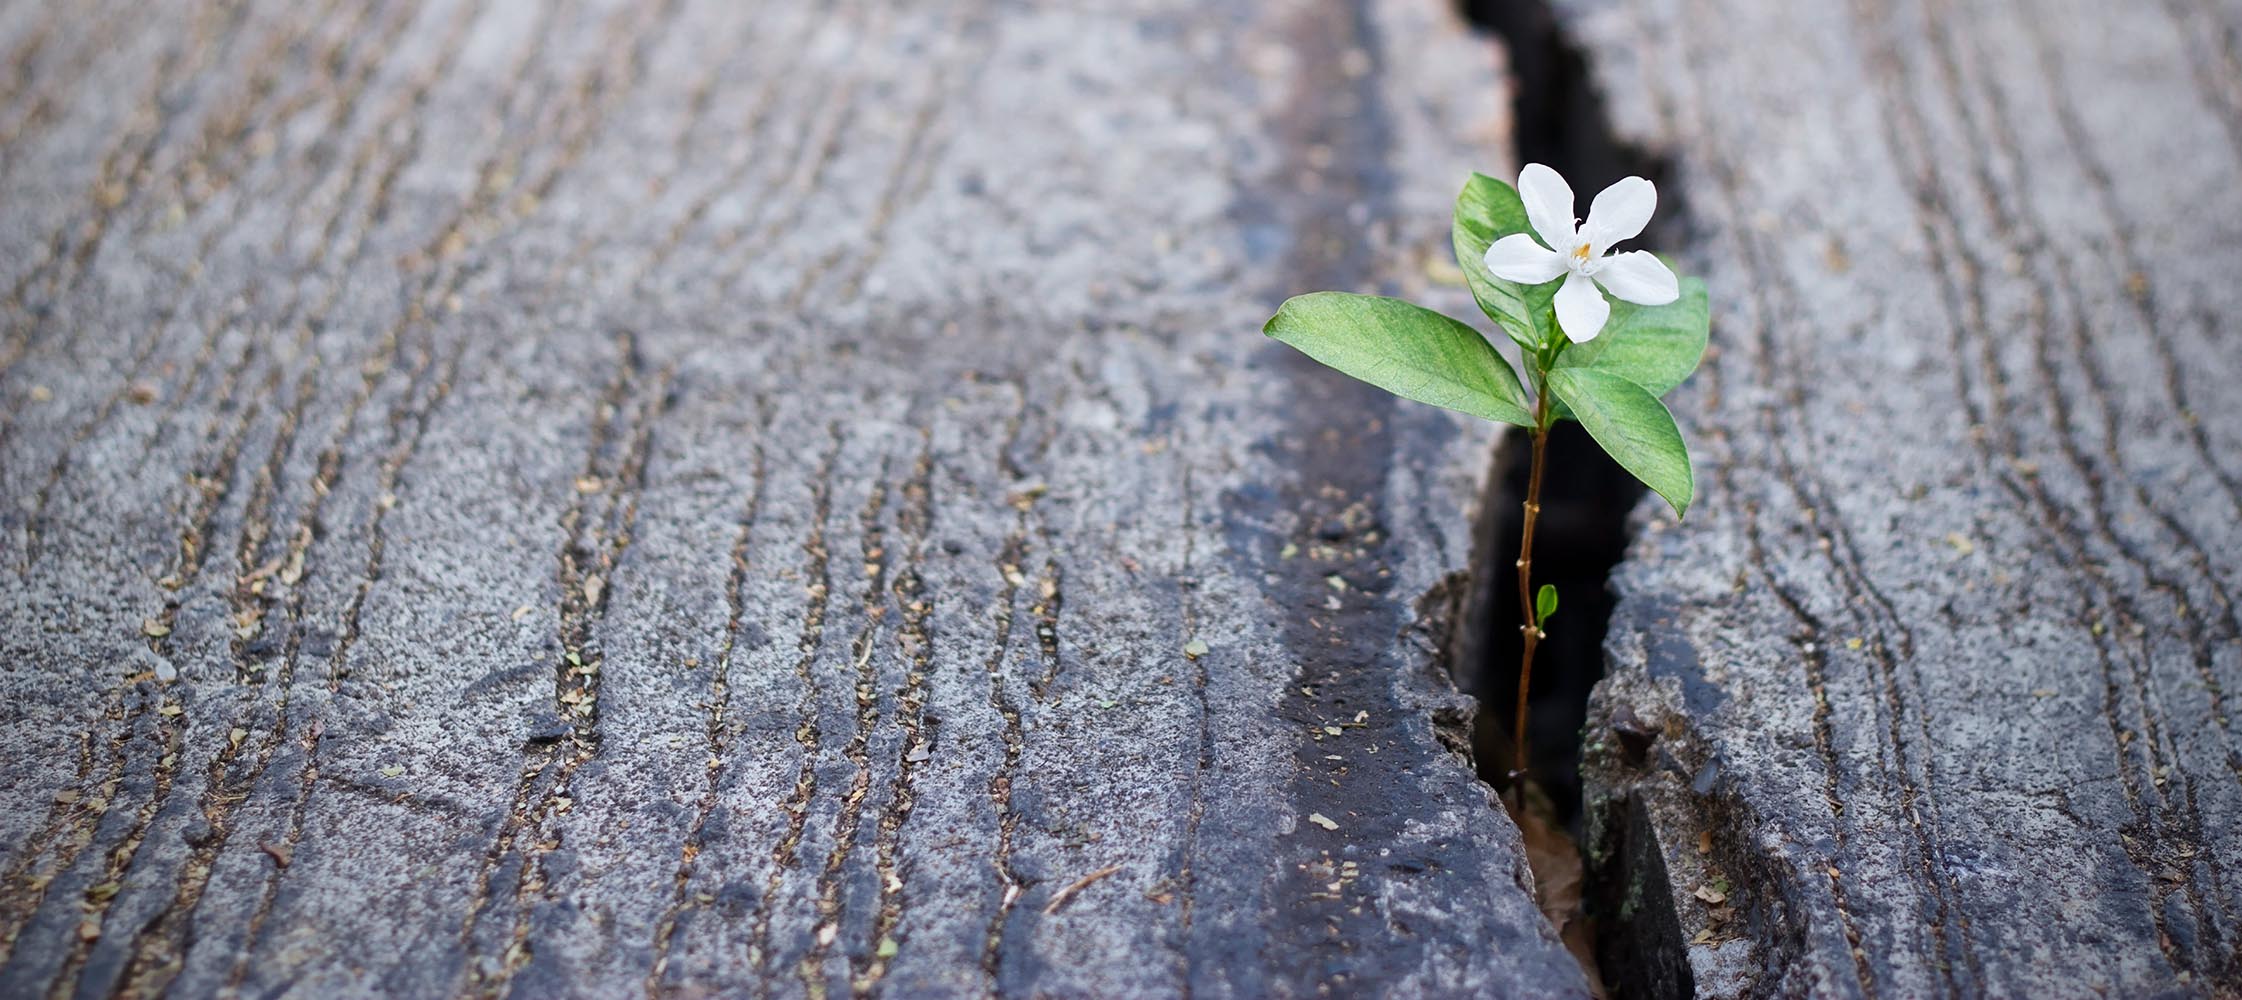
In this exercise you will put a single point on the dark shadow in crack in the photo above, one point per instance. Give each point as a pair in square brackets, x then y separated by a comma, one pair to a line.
[1583, 531]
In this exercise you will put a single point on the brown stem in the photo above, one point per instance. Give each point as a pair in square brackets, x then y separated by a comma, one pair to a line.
[1530, 627]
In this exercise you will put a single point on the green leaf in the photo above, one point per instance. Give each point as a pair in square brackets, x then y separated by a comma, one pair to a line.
[1655, 347]
[1632, 426]
[1405, 349]
[1545, 602]
[1488, 210]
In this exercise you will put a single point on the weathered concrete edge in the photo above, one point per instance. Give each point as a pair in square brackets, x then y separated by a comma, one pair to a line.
[1442, 471]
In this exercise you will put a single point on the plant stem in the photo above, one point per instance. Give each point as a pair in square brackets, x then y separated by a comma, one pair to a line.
[1529, 627]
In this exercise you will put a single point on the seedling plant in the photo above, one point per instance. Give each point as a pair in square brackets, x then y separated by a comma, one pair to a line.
[1601, 336]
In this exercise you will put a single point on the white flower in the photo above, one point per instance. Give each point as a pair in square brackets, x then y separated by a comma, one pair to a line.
[1580, 253]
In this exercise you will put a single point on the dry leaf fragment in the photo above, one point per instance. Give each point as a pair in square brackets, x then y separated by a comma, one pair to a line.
[1558, 877]
[1060, 898]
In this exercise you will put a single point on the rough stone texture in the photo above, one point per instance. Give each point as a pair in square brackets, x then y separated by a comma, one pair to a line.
[607, 498]
[1943, 664]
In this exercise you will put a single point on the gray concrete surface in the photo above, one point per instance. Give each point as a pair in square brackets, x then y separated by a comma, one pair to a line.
[712, 499]
[1938, 680]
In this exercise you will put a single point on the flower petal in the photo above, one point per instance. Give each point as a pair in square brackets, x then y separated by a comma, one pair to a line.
[1581, 309]
[1549, 206]
[1518, 258]
[1639, 277]
[1620, 212]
